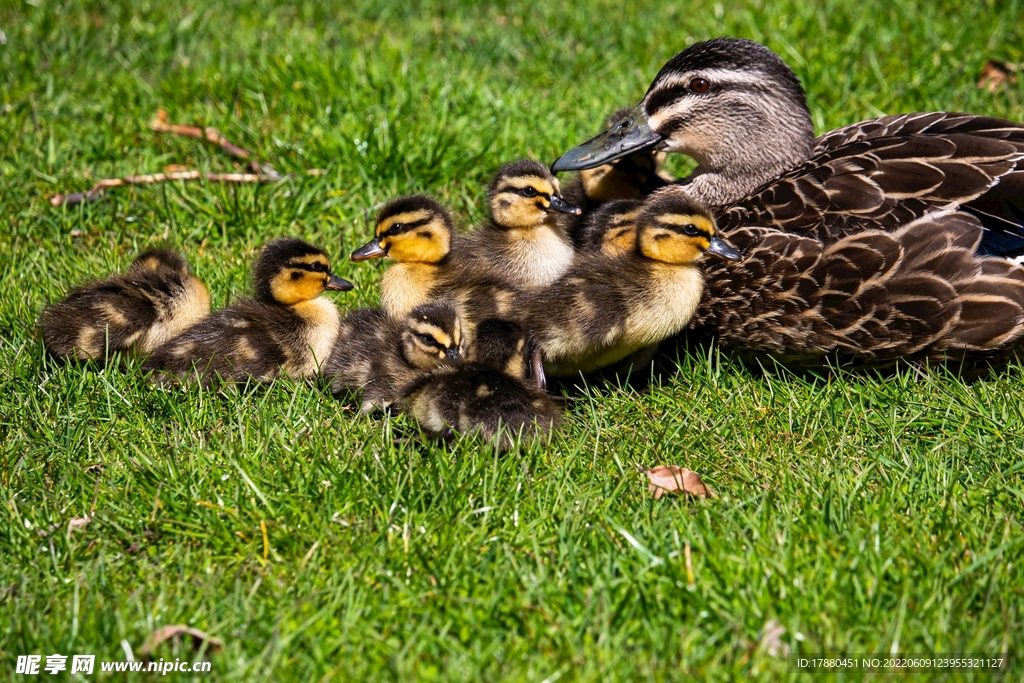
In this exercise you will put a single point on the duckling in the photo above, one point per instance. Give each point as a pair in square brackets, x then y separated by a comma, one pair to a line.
[488, 395]
[432, 264]
[417, 233]
[631, 177]
[611, 228]
[286, 329]
[152, 302]
[609, 307]
[523, 244]
[378, 355]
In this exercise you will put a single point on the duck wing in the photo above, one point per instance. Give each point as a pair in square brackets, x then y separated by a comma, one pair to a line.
[866, 179]
[876, 295]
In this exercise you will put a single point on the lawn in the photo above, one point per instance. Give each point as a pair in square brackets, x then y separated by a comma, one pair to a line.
[859, 513]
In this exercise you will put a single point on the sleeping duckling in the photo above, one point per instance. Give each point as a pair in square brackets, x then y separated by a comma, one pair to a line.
[607, 308]
[487, 395]
[523, 244]
[286, 329]
[152, 302]
[631, 177]
[378, 355]
[611, 228]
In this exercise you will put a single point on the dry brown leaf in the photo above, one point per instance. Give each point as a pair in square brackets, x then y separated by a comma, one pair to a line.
[995, 75]
[771, 642]
[672, 479]
[78, 523]
[165, 633]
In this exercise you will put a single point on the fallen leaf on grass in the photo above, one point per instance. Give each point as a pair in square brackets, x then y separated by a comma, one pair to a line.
[672, 479]
[771, 639]
[995, 75]
[165, 633]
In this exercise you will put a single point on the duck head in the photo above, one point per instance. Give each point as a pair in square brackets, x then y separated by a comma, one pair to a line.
[290, 271]
[524, 194]
[410, 229]
[431, 335]
[673, 228]
[731, 104]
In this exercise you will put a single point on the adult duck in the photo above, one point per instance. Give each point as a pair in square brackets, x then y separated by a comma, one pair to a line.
[889, 238]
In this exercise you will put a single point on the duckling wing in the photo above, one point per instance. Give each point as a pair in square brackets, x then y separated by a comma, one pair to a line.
[865, 178]
[242, 341]
[92, 321]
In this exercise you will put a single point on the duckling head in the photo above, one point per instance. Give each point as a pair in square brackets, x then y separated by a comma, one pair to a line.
[611, 228]
[155, 260]
[410, 229]
[501, 344]
[431, 336]
[672, 228]
[290, 271]
[524, 194]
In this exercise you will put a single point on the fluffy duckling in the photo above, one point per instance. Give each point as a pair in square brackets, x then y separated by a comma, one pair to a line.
[432, 264]
[609, 307]
[488, 395]
[523, 244]
[378, 355]
[286, 329]
[417, 233]
[611, 228]
[152, 302]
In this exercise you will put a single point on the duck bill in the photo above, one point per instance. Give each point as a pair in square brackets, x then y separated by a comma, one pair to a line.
[338, 284]
[559, 205]
[368, 251]
[720, 249]
[453, 355]
[629, 136]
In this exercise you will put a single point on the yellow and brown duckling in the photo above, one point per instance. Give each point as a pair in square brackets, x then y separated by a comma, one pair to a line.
[611, 228]
[377, 355]
[489, 395]
[432, 264]
[155, 300]
[607, 308]
[286, 329]
[417, 233]
[524, 243]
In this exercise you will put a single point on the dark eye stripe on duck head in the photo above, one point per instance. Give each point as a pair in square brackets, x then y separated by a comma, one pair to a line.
[405, 222]
[688, 225]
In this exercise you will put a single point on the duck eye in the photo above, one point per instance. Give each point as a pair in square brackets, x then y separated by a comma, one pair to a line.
[427, 339]
[317, 267]
[528, 192]
[690, 229]
[699, 85]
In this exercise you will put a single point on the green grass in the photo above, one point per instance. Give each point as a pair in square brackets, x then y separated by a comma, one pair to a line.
[864, 514]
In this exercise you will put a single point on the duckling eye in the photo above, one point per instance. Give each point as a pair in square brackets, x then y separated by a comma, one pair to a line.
[427, 339]
[699, 85]
[318, 268]
[528, 192]
[691, 230]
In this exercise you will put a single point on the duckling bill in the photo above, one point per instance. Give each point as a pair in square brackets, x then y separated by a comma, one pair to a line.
[286, 329]
[155, 300]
